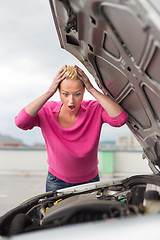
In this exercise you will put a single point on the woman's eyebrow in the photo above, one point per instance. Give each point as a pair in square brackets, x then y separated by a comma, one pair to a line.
[78, 91]
[74, 92]
[64, 91]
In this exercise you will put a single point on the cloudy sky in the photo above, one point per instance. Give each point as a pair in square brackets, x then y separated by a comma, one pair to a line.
[30, 57]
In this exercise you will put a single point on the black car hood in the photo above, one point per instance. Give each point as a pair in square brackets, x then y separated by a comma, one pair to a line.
[118, 41]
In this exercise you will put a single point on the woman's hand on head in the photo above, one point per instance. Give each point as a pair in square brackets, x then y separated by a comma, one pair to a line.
[60, 76]
[83, 77]
[34, 107]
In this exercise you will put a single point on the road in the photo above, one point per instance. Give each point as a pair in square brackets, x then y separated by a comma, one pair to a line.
[14, 189]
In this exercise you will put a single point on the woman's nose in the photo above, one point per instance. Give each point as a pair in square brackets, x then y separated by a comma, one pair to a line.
[71, 99]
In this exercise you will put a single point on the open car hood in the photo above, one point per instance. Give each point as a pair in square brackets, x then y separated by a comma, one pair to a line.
[119, 43]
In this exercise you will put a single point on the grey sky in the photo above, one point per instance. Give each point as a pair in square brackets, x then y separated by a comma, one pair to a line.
[30, 57]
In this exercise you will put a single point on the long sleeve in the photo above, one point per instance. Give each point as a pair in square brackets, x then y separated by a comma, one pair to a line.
[117, 121]
[25, 121]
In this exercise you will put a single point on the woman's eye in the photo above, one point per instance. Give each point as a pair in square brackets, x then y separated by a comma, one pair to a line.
[65, 94]
[77, 94]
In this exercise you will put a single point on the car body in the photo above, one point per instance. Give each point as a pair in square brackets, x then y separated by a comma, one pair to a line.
[118, 41]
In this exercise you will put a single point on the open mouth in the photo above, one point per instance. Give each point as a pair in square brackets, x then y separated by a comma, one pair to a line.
[72, 107]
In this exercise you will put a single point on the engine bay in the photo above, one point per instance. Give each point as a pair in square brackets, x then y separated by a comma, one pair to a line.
[137, 195]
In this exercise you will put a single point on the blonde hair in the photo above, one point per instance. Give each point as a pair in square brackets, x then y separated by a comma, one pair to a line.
[71, 72]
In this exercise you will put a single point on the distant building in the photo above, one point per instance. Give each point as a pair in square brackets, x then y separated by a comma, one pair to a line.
[127, 141]
[11, 144]
[39, 145]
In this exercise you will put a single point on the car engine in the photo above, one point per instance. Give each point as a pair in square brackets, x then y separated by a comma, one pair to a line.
[137, 195]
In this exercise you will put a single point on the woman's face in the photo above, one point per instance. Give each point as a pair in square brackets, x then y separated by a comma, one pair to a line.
[71, 94]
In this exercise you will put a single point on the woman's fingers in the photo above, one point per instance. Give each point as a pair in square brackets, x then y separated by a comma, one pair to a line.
[80, 73]
[79, 70]
[83, 77]
[61, 73]
[62, 69]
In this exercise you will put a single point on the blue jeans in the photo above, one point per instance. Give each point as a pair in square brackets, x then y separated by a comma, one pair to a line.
[53, 183]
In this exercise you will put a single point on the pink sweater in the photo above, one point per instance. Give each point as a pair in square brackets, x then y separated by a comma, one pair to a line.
[72, 152]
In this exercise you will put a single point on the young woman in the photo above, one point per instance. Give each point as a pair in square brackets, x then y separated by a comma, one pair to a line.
[71, 128]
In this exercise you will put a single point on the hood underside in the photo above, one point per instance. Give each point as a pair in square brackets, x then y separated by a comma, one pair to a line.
[118, 41]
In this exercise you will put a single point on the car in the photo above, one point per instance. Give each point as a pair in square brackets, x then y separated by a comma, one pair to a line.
[119, 44]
